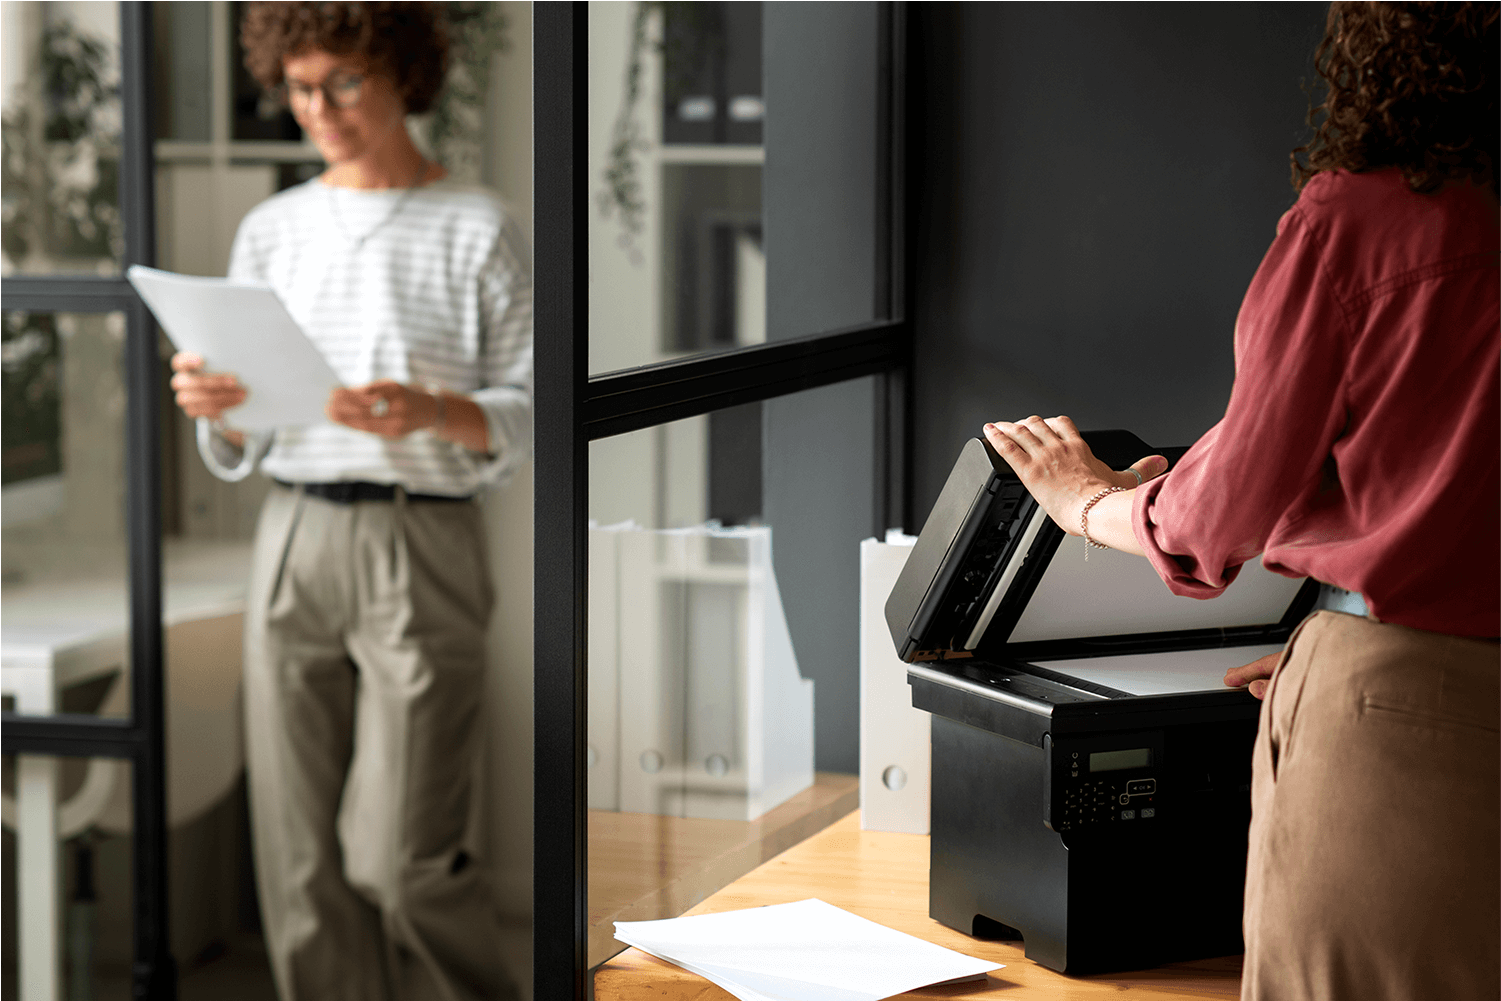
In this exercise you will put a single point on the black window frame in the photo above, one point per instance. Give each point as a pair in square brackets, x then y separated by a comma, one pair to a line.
[573, 409]
[141, 737]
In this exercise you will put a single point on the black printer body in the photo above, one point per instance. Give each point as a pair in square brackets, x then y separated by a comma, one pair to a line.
[1091, 773]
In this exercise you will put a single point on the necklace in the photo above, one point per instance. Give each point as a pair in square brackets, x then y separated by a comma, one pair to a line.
[359, 241]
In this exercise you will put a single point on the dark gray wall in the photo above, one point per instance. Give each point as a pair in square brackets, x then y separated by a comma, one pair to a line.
[1095, 186]
[1093, 190]
[818, 472]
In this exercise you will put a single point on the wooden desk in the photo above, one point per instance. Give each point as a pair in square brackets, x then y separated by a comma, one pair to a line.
[643, 866]
[884, 877]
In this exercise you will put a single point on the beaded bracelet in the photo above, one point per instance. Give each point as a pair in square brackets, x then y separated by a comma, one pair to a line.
[1084, 520]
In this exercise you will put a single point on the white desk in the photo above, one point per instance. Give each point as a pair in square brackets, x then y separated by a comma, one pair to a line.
[65, 624]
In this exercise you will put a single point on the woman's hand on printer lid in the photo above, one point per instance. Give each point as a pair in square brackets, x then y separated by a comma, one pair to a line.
[1058, 468]
[1254, 674]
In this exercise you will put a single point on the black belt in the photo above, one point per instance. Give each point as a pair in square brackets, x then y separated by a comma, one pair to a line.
[351, 491]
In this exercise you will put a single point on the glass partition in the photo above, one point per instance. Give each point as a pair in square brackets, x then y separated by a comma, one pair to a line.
[675, 160]
[723, 645]
[717, 132]
[62, 496]
[79, 454]
[61, 138]
[740, 173]
[66, 633]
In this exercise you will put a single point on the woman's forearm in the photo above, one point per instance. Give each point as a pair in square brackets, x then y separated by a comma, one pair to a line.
[1055, 464]
[463, 423]
[1110, 523]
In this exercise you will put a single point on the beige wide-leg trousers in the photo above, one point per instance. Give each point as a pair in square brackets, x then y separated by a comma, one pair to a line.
[364, 664]
[1375, 859]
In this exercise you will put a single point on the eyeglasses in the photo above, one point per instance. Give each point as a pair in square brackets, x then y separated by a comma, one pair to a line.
[342, 90]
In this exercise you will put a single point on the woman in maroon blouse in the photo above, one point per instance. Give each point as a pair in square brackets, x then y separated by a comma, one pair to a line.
[1360, 447]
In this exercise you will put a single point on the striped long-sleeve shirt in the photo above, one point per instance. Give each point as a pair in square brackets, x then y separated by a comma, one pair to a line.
[430, 286]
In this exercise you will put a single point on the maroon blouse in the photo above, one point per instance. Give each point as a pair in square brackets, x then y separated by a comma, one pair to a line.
[1361, 443]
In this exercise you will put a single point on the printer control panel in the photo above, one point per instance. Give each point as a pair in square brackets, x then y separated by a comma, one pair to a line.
[1105, 802]
[1099, 781]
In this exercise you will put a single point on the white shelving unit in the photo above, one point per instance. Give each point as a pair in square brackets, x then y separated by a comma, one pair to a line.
[696, 704]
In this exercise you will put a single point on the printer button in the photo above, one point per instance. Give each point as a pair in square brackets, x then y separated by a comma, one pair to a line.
[1128, 814]
[1148, 812]
[1125, 799]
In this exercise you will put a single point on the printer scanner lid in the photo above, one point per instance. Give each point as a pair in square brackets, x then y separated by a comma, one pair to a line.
[991, 577]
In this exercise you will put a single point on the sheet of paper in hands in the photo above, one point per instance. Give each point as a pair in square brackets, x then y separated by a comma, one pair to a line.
[242, 328]
[804, 951]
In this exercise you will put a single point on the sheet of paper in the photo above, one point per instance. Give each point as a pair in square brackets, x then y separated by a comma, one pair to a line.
[1116, 592]
[803, 951]
[1162, 673]
[242, 328]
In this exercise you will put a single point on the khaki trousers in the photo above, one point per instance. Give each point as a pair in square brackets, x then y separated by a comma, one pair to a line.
[364, 665]
[1373, 868]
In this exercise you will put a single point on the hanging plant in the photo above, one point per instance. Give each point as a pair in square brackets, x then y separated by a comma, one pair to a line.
[59, 154]
[694, 40]
[475, 32]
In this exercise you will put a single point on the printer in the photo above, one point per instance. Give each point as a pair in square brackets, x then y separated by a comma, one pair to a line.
[1091, 772]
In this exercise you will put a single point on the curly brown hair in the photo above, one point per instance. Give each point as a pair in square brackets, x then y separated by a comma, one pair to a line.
[406, 42]
[1412, 86]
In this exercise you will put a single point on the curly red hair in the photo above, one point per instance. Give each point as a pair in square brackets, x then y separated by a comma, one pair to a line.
[1412, 86]
[406, 42]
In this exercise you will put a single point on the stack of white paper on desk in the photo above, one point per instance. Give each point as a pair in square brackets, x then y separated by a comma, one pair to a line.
[805, 951]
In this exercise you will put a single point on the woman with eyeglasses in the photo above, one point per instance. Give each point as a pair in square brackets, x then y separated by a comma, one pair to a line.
[1360, 446]
[369, 599]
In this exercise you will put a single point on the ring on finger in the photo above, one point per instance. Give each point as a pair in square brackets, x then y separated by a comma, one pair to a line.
[1136, 473]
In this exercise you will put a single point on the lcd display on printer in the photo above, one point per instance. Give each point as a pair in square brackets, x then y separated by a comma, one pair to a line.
[1085, 747]
[1116, 761]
